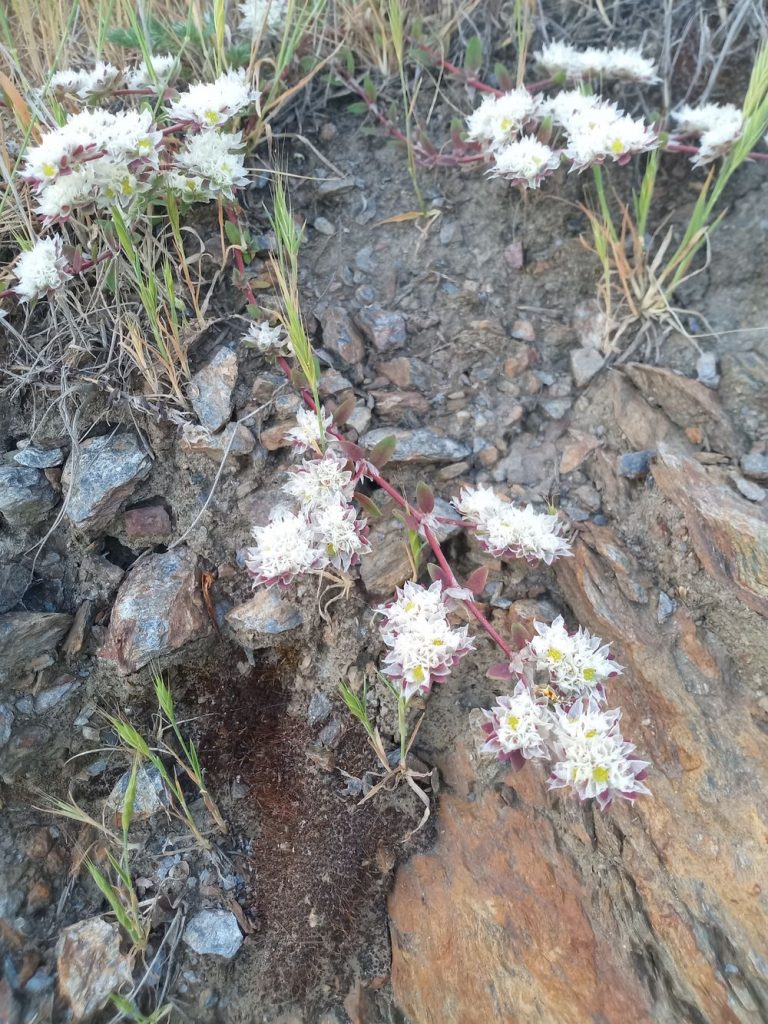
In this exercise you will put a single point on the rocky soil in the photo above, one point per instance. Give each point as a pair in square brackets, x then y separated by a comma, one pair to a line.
[474, 341]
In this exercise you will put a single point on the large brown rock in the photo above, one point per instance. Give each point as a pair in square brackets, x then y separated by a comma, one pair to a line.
[533, 908]
[158, 609]
[91, 966]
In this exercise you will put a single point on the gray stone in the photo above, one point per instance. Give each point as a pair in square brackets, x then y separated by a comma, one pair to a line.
[39, 458]
[102, 479]
[750, 490]
[48, 699]
[26, 497]
[330, 734]
[706, 370]
[384, 328]
[667, 605]
[14, 580]
[158, 609]
[6, 723]
[360, 419]
[591, 323]
[91, 966]
[555, 408]
[635, 465]
[756, 466]
[150, 796]
[585, 363]
[267, 614]
[335, 186]
[25, 636]
[324, 226]
[235, 439]
[214, 932]
[340, 335]
[213, 388]
[320, 708]
[418, 445]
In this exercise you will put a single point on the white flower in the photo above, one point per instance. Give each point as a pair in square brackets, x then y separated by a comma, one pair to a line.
[423, 646]
[593, 757]
[562, 107]
[719, 125]
[262, 16]
[577, 663]
[499, 119]
[41, 269]
[323, 481]
[211, 104]
[285, 548]
[575, 65]
[307, 433]
[214, 157]
[526, 160]
[339, 534]
[601, 132]
[506, 530]
[163, 65]
[517, 727]
[268, 340]
[85, 84]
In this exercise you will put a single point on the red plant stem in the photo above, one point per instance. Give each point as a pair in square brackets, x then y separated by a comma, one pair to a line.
[434, 543]
[240, 264]
[468, 79]
[682, 147]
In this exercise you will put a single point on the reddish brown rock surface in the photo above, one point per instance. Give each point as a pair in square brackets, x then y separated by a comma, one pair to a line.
[534, 909]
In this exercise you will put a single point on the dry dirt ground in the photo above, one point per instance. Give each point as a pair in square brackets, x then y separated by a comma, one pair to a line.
[614, 919]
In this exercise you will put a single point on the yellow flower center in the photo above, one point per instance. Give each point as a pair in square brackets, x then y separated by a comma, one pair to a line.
[617, 146]
[600, 774]
[589, 674]
[512, 722]
[418, 674]
[554, 655]
[590, 734]
[211, 116]
[49, 170]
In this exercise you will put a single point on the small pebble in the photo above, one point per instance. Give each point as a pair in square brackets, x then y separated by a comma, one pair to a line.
[750, 490]
[666, 607]
[324, 226]
[706, 370]
[635, 465]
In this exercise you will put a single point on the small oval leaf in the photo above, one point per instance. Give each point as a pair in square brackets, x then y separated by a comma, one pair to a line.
[425, 497]
[383, 451]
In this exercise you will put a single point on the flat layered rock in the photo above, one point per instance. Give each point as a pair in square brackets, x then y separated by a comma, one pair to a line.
[26, 497]
[418, 445]
[27, 636]
[103, 475]
[91, 966]
[267, 614]
[213, 389]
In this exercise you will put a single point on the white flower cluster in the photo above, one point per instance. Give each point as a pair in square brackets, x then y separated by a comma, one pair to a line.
[105, 78]
[584, 744]
[211, 104]
[423, 646]
[718, 126]
[267, 340]
[262, 17]
[506, 530]
[40, 270]
[574, 65]
[307, 434]
[98, 158]
[595, 130]
[325, 531]
[577, 663]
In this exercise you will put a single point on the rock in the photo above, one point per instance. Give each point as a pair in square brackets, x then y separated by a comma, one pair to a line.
[147, 525]
[98, 578]
[729, 536]
[667, 606]
[213, 388]
[360, 418]
[26, 497]
[523, 330]
[6, 723]
[756, 466]
[397, 371]
[25, 636]
[214, 932]
[10, 1008]
[235, 439]
[591, 324]
[750, 490]
[514, 257]
[706, 370]
[395, 404]
[642, 424]
[39, 458]
[333, 383]
[90, 965]
[523, 357]
[320, 708]
[635, 465]
[387, 565]
[335, 186]
[267, 614]
[555, 408]
[519, 879]
[275, 437]
[14, 580]
[577, 450]
[75, 640]
[420, 446]
[687, 403]
[340, 335]
[48, 699]
[39, 896]
[151, 795]
[158, 609]
[102, 477]
[324, 227]
[585, 363]
[384, 328]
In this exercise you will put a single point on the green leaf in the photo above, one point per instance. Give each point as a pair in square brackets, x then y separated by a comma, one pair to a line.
[358, 107]
[503, 76]
[473, 55]
[383, 451]
[369, 89]
[368, 506]
[233, 233]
